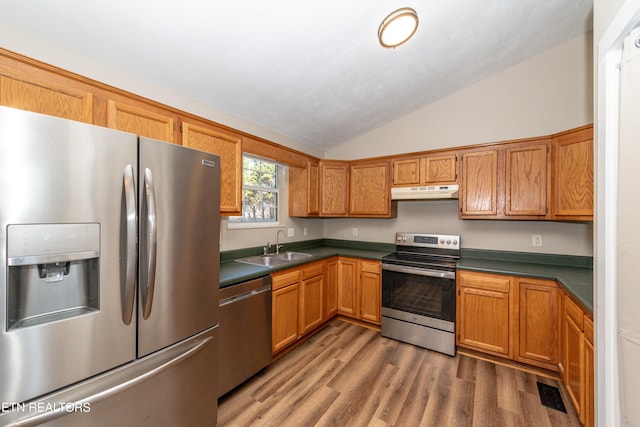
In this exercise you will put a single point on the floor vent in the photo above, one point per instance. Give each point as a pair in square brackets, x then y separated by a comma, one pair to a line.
[550, 397]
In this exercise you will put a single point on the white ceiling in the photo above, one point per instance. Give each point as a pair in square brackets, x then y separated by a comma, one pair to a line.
[311, 70]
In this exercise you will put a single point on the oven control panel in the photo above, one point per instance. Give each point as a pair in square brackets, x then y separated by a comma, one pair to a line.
[440, 241]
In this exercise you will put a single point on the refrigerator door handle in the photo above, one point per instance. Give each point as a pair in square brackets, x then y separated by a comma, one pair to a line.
[152, 243]
[98, 395]
[131, 246]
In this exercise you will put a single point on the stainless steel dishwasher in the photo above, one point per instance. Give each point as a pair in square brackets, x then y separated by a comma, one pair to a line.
[245, 332]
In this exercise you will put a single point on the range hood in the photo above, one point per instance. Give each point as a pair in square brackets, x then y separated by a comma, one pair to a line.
[433, 192]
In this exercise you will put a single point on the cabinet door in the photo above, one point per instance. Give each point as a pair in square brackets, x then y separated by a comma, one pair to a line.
[331, 289]
[573, 175]
[229, 147]
[589, 374]
[304, 198]
[284, 321]
[370, 194]
[406, 171]
[138, 120]
[60, 100]
[311, 303]
[479, 183]
[527, 182]
[440, 169]
[347, 296]
[334, 189]
[313, 193]
[539, 329]
[370, 291]
[484, 315]
[574, 362]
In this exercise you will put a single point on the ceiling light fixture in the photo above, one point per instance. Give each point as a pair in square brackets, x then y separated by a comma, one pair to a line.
[398, 27]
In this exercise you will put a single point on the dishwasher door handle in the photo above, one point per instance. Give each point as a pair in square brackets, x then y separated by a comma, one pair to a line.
[245, 295]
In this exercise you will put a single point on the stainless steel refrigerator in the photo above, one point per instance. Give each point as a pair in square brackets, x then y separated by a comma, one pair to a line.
[109, 265]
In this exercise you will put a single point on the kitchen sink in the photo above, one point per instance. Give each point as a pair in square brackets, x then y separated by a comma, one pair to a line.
[292, 256]
[274, 259]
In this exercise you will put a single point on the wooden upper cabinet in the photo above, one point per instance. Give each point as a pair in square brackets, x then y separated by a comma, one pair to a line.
[479, 185]
[304, 190]
[527, 179]
[425, 170]
[47, 97]
[334, 188]
[440, 169]
[370, 193]
[141, 121]
[406, 171]
[573, 174]
[228, 146]
[506, 181]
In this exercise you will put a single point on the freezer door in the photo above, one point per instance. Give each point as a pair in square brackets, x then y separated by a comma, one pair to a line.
[173, 387]
[179, 243]
[62, 253]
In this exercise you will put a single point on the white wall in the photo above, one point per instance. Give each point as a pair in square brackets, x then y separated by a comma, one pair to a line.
[442, 217]
[545, 94]
[548, 93]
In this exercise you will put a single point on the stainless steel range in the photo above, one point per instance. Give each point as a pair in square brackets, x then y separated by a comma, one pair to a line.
[418, 291]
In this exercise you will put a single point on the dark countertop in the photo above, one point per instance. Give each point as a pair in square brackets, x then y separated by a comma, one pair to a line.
[575, 274]
[232, 272]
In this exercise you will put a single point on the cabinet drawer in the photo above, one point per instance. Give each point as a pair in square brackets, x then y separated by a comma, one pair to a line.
[492, 282]
[286, 278]
[370, 266]
[312, 270]
[574, 311]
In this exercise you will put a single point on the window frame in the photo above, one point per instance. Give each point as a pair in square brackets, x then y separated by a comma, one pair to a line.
[280, 176]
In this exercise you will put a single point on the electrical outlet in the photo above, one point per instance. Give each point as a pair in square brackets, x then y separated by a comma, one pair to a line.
[536, 240]
[305, 231]
[354, 231]
[291, 232]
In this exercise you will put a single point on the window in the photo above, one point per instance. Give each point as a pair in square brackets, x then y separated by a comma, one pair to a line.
[260, 193]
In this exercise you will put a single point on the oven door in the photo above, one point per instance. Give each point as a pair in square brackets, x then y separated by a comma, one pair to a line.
[425, 292]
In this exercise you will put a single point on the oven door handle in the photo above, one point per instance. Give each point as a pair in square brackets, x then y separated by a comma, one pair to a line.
[419, 271]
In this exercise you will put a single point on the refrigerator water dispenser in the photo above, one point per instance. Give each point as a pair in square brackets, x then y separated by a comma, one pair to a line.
[53, 272]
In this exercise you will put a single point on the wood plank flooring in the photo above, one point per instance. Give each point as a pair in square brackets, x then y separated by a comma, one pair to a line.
[347, 375]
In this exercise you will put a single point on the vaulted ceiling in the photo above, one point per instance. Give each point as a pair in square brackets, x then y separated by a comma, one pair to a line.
[313, 70]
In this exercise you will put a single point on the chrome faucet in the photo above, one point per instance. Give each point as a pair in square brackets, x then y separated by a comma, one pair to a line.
[278, 245]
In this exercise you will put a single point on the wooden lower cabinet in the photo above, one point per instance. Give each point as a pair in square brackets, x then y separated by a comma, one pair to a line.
[305, 297]
[532, 321]
[578, 360]
[589, 375]
[347, 294]
[485, 312]
[539, 323]
[297, 303]
[330, 307]
[370, 275]
[360, 289]
[285, 304]
[311, 300]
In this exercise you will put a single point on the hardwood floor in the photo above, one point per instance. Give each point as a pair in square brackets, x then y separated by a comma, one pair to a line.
[347, 375]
